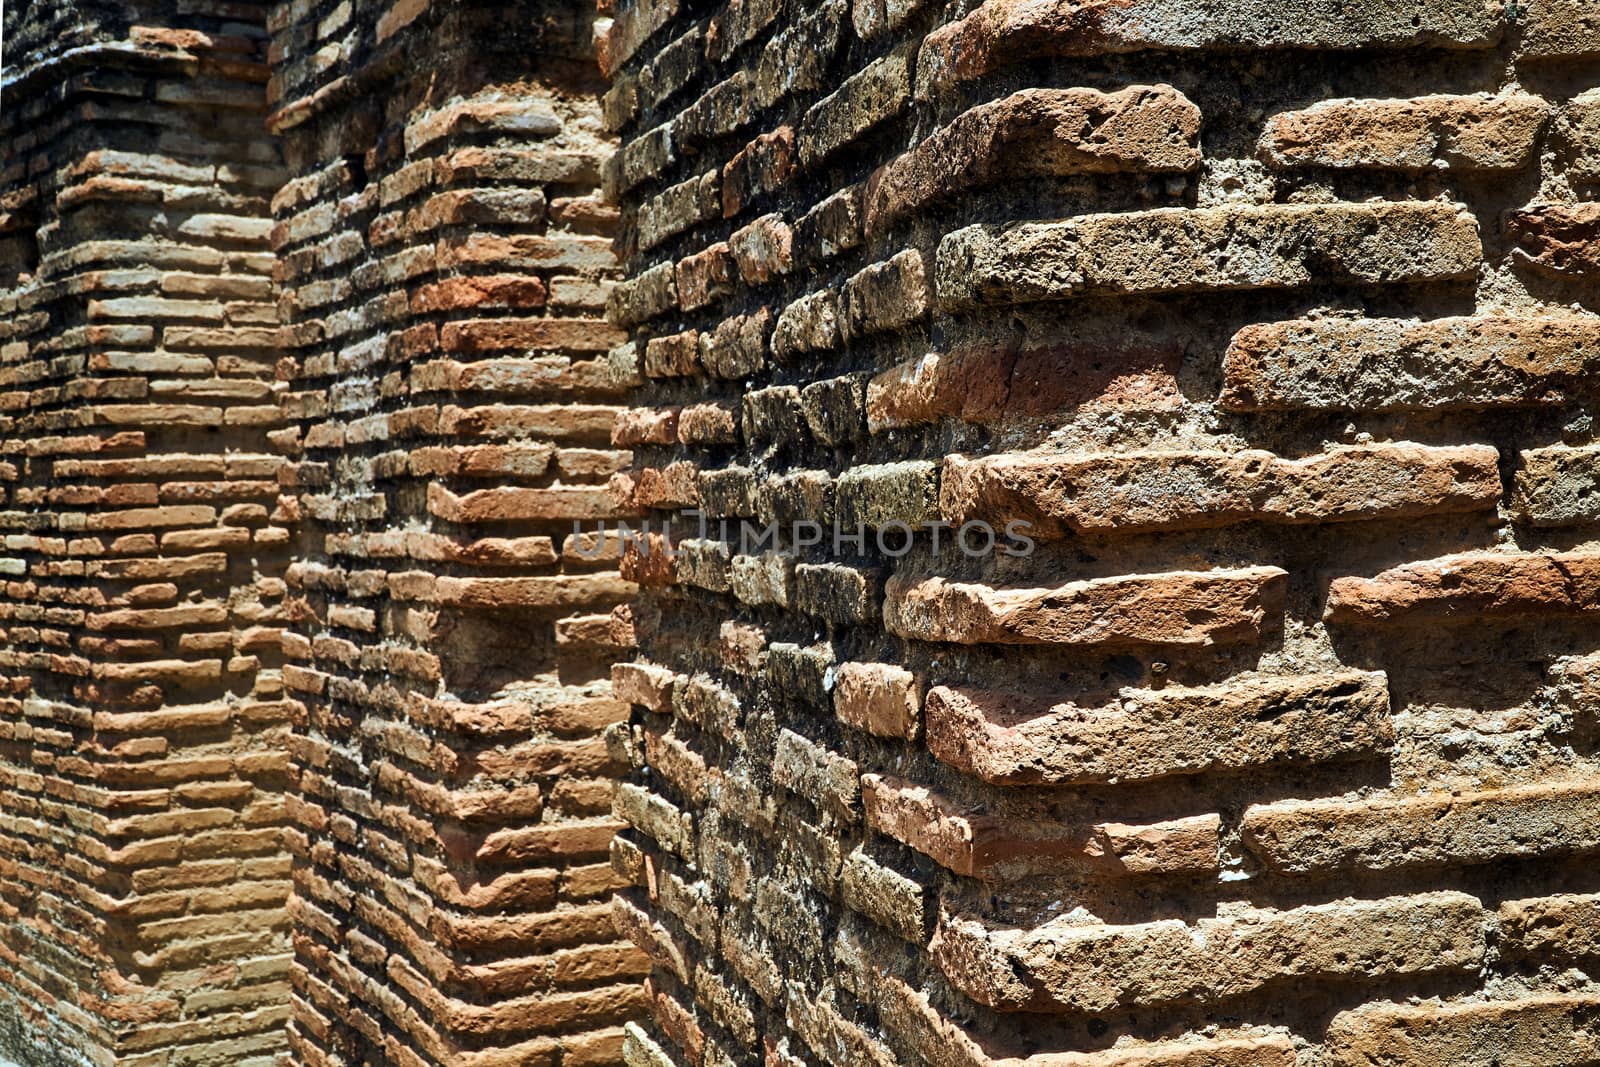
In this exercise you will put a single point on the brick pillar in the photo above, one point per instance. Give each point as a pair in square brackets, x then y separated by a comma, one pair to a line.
[445, 257]
[1276, 326]
[142, 727]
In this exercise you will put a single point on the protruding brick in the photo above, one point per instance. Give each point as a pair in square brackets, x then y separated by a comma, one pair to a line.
[1466, 133]
[1176, 250]
[1539, 1031]
[1038, 132]
[1470, 587]
[1005, 32]
[879, 698]
[999, 385]
[1565, 926]
[1398, 365]
[1066, 965]
[1022, 738]
[1131, 491]
[1196, 608]
[1558, 239]
[997, 847]
[1560, 29]
[1559, 485]
[1387, 833]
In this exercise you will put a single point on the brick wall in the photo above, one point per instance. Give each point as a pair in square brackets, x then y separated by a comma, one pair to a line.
[445, 257]
[1274, 745]
[142, 766]
[1277, 324]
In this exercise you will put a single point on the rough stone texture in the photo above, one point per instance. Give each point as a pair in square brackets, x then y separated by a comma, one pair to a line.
[1263, 339]
[143, 769]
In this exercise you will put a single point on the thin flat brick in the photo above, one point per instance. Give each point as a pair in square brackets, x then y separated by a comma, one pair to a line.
[1004, 32]
[1538, 1031]
[1197, 608]
[998, 847]
[1174, 250]
[1388, 833]
[1132, 491]
[1022, 738]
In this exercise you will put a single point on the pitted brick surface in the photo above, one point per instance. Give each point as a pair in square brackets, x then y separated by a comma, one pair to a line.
[143, 770]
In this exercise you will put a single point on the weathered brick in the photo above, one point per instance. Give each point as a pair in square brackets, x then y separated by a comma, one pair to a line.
[809, 324]
[1024, 738]
[1557, 239]
[879, 698]
[1471, 586]
[1000, 384]
[1038, 132]
[1396, 365]
[1468, 133]
[1566, 925]
[885, 296]
[1579, 125]
[1556, 486]
[862, 102]
[679, 208]
[1542, 1030]
[1066, 965]
[1003, 32]
[998, 847]
[705, 276]
[1387, 833]
[1173, 250]
[763, 249]
[1129, 491]
[904, 494]
[1199, 608]
[761, 167]
[885, 896]
[1560, 29]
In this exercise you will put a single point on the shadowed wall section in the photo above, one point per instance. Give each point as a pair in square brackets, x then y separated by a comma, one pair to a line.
[445, 258]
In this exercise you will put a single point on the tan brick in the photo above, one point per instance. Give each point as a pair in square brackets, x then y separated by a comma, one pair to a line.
[1468, 133]
[1131, 491]
[1557, 239]
[1000, 847]
[1037, 132]
[1177, 250]
[1396, 365]
[879, 698]
[1539, 1031]
[1004, 32]
[1469, 587]
[1024, 738]
[1199, 608]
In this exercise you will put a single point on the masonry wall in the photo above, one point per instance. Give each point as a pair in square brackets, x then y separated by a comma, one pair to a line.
[1269, 740]
[1277, 324]
[142, 724]
[444, 258]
